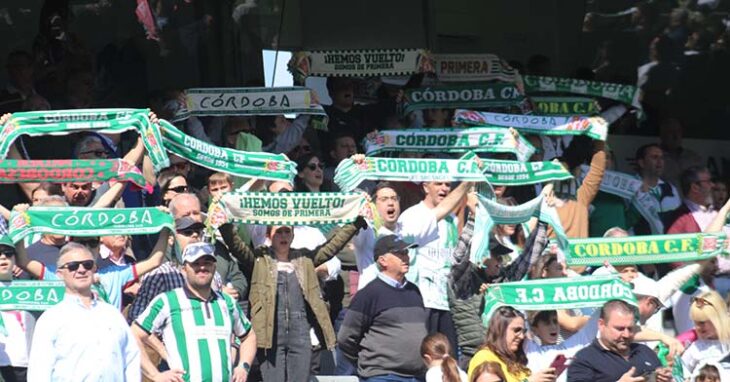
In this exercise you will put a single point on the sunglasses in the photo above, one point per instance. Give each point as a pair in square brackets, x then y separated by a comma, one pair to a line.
[178, 189]
[314, 166]
[701, 302]
[7, 253]
[97, 153]
[188, 232]
[73, 266]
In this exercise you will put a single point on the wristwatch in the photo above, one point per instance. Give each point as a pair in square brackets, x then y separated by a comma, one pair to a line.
[245, 366]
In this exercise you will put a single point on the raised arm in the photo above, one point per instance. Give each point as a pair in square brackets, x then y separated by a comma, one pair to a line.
[34, 268]
[592, 182]
[158, 254]
[242, 252]
[452, 200]
[338, 241]
[460, 273]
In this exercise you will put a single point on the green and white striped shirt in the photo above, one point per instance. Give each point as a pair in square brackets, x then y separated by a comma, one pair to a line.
[196, 334]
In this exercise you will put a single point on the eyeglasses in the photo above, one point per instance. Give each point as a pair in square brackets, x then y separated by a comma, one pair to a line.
[73, 266]
[314, 166]
[701, 302]
[394, 198]
[188, 232]
[97, 153]
[178, 189]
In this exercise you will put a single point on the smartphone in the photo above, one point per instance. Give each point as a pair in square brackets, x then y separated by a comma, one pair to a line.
[559, 364]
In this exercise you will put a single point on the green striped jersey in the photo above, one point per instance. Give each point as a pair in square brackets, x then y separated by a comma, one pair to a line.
[196, 333]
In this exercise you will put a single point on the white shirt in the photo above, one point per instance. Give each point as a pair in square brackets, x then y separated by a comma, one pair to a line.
[702, 215]
[539, 357]
[14, 347]
[77, 343]
[364, 243]
[434, 374]
[304, 237]
[705, 351]
[431, 265]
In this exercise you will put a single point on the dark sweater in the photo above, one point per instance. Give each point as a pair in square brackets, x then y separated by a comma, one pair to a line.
[383, 330]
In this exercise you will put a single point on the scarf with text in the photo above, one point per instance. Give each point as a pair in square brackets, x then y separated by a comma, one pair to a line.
[66, 170]
[359, 63]
[259, 165]
[626, 94]
[513, 173]
[564, 106]
[64, 122]
[290, 208]
[557, 293]
[251, 101]
[348, 174]
[478, 139]
[472, 96]
[649, 249]
[85, 222]
[474, 68]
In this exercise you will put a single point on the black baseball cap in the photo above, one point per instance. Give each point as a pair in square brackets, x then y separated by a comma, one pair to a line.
[187, 222]
[391, 244]
[498, 249]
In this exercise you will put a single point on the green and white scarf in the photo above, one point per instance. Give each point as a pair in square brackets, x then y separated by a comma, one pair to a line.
[478, 139]
[81, 221]
[646, 249]
[626, 94]
[594, 127]
[564, 106]
[474, 68]
[235, 162]
[348, 174]
[629, 187]
[513, 173]
[557, 293]
[359, 63]
[250, 101]
[64, 122]
[60, 171]
[473, 96]
[291, 208]
[490, 212]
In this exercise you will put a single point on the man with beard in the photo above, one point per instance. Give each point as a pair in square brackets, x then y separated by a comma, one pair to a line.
[197, 342]
[613, 356]
[697, 212]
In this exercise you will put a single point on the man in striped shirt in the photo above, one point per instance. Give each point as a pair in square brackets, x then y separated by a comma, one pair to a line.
[196, 324]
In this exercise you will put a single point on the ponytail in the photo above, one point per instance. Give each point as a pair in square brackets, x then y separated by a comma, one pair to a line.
[450, 369]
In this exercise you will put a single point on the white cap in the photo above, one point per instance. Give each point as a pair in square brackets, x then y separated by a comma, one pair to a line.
[195, 251]
[644, 286]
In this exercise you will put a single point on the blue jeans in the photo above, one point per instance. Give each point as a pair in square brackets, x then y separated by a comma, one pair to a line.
[390, 378]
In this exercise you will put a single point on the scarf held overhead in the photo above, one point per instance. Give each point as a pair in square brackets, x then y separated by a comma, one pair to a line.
[478, 139]
[81, 221]
[472, 96]
[359, 63]
[291, 208]
[66, 170]
[64, 122]
[348, 174]
[557, 293]
[259, 165]
[650, 249]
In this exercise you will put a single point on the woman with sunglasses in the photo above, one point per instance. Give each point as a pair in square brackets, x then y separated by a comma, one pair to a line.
[171, 184]
[310, 176]
[712, 324]
[503, 345]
